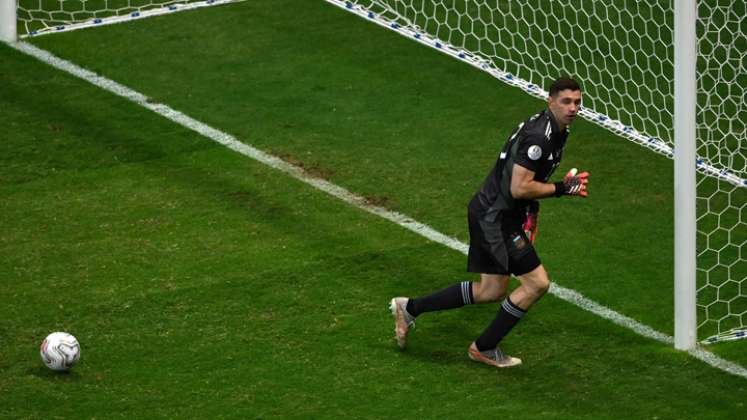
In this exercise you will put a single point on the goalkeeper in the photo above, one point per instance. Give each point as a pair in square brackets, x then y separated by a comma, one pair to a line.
[502, 219]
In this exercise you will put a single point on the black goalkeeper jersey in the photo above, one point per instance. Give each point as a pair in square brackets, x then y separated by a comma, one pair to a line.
[537, 144]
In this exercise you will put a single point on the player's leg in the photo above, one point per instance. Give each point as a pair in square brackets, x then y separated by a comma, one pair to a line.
[405, 310]
[525, 263]
[534, 285]
[492, 286]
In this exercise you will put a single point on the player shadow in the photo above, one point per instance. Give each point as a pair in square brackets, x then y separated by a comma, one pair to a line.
[445, 355]
[439, 343]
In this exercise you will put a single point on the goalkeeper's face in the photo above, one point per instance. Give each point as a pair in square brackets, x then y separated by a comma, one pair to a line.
[565, 106]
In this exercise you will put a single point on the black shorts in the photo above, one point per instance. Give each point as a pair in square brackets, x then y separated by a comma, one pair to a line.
[499, 248]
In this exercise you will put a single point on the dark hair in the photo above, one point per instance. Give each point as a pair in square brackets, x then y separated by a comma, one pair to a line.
[563, 83]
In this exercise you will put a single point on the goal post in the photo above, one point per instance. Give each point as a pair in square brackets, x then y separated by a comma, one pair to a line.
[8, 28]
[685, 52]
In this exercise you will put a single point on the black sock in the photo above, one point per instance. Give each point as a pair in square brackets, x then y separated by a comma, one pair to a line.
[507, 317]
[454, 296]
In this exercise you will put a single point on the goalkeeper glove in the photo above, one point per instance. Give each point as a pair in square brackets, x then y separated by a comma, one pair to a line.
[573, 184]
[532, 221]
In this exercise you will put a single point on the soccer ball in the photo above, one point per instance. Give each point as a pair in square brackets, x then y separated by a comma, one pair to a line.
[59, 351]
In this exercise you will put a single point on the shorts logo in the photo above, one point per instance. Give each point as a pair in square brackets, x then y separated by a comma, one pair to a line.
[534, 152]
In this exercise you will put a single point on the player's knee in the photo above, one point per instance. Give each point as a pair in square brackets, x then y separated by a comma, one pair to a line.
[500, 296]
[494, 296]
[545, 285]
[540, 286]
[484, 293]
[536, 282]
[537, 286]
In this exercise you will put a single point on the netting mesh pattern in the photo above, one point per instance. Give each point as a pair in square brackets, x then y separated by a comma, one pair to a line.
[622, 51]
[722, 143]
[39, 15]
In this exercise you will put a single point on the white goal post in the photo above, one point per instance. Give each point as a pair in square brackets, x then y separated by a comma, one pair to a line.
[8, 31]
[685, 88]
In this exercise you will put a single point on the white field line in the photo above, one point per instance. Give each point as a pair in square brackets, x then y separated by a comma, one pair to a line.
[298, 173]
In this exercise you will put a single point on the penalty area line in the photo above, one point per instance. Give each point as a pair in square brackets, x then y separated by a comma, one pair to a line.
[343, 194]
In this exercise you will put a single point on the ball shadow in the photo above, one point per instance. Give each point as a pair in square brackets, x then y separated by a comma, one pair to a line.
[45, 373]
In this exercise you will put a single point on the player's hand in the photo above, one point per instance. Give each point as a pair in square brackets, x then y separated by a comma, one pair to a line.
[573, 184]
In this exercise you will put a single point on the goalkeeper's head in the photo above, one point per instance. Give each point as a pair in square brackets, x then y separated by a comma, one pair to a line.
[564, 100]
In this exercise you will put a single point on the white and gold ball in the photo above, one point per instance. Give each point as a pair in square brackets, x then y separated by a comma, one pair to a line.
[60, 351]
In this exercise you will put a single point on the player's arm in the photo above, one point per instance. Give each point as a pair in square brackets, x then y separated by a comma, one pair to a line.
[524, 187]
[531, 151]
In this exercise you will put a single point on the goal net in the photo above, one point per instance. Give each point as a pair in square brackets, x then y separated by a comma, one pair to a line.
[622, 51]
[722, 142]
[38, 17]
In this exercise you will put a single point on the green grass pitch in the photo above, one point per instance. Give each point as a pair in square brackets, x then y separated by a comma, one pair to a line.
[202, 284]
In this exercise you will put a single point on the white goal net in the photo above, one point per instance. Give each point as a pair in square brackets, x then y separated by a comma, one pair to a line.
[38, 17]
[622, 51]
[722, 142]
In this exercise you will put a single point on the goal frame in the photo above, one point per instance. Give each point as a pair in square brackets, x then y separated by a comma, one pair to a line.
[685, 219]
[8, 21]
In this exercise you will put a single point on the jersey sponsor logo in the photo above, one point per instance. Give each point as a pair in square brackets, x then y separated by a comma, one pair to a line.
[534, 152]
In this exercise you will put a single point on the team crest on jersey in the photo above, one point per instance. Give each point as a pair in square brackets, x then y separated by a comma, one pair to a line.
[534, 152]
